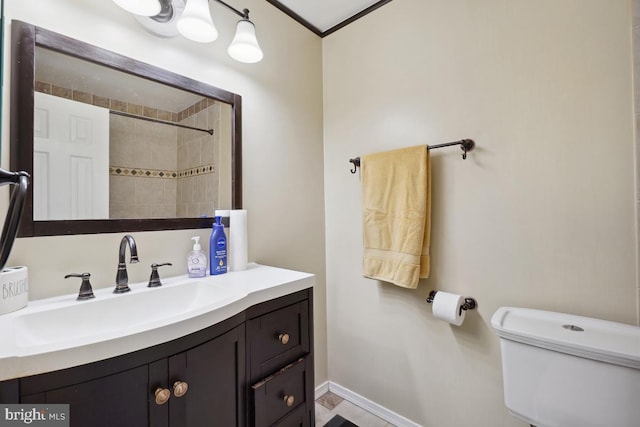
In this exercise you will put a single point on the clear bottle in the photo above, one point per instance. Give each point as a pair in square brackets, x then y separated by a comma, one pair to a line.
[197, 260]
[218, 248]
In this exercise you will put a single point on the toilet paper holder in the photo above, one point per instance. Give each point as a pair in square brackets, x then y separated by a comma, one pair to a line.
[469, 303]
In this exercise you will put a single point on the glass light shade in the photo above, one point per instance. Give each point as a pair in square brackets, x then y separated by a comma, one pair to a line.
[244, 47]
[140, 7]
[195, 22]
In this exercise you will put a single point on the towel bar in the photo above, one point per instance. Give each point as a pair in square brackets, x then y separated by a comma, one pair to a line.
[465, 145]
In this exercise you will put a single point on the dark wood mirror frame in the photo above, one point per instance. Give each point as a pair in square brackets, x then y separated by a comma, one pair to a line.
[25, 38]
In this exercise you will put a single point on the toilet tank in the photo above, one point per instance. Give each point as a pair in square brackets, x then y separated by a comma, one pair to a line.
[561, 370]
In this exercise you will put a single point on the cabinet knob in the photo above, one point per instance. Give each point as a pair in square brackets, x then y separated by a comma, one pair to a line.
[180, 388]
[162, 395]
[288, 400]
[283, 338]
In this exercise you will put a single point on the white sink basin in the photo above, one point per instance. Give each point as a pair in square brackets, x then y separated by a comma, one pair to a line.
[112, 315]
[61, 332]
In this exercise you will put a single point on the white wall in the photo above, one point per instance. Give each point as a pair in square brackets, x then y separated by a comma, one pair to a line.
[282, 145]
[540, 215]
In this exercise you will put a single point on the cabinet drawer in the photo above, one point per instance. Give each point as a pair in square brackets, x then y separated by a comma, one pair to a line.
[280, 394]
[278, 338]
[299, 417]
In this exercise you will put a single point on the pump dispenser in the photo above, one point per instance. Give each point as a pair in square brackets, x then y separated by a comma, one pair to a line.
[197, 260]
[218, 248]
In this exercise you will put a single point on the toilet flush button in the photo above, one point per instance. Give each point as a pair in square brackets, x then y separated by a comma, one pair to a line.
[573, 328]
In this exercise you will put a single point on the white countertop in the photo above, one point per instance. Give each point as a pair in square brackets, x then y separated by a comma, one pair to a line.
[60, 332]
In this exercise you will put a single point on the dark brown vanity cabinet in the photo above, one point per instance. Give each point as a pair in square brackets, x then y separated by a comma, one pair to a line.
[200, 386]
[280, 364]
[254, 369]
[101, 401]
[205, 384]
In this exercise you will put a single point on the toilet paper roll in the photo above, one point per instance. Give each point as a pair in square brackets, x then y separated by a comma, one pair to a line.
[238, 242]
[446, 307]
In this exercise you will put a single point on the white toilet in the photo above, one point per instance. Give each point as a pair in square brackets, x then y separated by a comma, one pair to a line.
[561, 370]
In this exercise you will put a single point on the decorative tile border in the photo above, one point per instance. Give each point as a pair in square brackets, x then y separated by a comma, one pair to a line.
[117, 105]
[200, 170]
[162, 174]
[142, 173]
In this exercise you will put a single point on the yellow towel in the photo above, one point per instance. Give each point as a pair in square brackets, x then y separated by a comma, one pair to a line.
[396, 203]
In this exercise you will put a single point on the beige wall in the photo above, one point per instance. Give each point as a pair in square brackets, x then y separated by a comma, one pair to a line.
[540, 215]
[282, 146]
[635, 10]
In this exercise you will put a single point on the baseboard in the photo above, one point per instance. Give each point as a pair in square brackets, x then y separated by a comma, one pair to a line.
[322, 389]
[366, 404]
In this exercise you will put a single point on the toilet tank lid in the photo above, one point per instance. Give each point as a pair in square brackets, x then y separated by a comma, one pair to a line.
[581, 336]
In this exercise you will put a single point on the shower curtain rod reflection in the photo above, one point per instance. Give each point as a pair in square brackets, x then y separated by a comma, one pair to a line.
[465, 145]
[163, 122]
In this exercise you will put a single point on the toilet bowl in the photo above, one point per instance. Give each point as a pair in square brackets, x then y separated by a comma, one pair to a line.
[561, 370]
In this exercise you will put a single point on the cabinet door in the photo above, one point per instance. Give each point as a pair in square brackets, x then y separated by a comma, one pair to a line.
[9, 391]
[116, 400]
[215, 374]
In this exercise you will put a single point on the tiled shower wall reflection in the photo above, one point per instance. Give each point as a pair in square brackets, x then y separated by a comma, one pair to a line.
[137, 149]
[158, 170]
[198, 182]
[165, 171]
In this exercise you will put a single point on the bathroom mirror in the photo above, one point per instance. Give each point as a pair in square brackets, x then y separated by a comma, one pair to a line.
[113, 144]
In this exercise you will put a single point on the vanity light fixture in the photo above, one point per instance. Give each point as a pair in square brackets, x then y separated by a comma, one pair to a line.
[192, 19]
[196, 23]
[140, 7]
[244, 47]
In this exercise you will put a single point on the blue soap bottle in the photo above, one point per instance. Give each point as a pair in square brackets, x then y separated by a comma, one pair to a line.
[218, 248]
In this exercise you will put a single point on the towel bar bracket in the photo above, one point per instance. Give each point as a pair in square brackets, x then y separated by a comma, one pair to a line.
[356, 164]
[466, 145]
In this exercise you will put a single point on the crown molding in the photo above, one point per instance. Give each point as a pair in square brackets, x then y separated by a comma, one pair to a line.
[333, 29]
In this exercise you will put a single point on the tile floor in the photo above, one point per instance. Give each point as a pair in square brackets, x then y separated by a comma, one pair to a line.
[330, 404]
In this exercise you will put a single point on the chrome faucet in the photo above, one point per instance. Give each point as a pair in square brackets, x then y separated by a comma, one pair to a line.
[122, 279]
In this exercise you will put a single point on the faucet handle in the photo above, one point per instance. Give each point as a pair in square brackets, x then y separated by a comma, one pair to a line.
[86, 292]
[154, 280]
